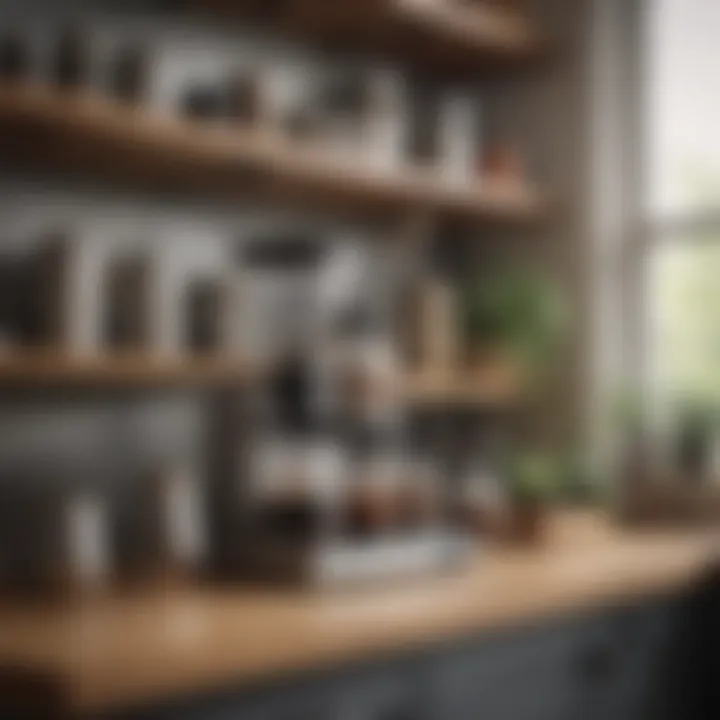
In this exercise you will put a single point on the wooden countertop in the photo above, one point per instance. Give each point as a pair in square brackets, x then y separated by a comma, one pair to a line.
[130, 650]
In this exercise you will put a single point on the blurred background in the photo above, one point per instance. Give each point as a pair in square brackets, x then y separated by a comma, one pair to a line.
[313, 294]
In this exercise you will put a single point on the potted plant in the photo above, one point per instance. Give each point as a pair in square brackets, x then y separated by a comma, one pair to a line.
[514, 317]
[628, 415]
[697, 421]
[581, 483]
[535, 480]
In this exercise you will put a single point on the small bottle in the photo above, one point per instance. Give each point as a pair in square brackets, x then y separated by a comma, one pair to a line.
[458, 131]
[372, 507]
[423, 142]
[205, 313]
[176, 533]
[295, 485]
[128, 292]
[88, 541]
[386, 121]
[431, 328]
[419, 505]
[60, 531]
[483, 503]
[72, 60]
[204, 102]
[243, 99]
[129, 74]
[63, 277]
[14, 60]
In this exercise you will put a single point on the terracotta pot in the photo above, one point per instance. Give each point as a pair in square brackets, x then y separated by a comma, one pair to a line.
[416, 507]
[503, 162]
[371, 511]
[482, 358]
[527, 523]
[483, 522]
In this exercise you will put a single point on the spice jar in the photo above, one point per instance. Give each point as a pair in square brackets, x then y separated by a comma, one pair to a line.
[503, 163]
[58, 538]
[482, 505]
[430, 322]
[204, 102]
[364, 374]
[128, 303]
[295, 486]
[418, 499]
[171, 522]
[14, 60]
[372, 507]
[458, 138]
[129, 74]
[243, 99]
[72, 61]
[206, 303]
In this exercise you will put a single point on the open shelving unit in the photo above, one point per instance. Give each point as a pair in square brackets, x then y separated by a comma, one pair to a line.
[491, 387]
[86, 134]
[91, 135]
[50, 368]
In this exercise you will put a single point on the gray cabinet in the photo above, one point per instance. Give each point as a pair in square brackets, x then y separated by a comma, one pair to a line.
[637, 643]
[600, 666]
[604, 666]
[524, 675]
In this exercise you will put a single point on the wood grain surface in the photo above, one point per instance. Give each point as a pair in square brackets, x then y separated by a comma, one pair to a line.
[134, 649]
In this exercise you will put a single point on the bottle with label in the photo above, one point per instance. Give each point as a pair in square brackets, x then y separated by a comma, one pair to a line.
[173, 523]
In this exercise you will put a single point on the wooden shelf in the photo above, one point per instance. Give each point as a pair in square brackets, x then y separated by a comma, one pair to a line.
[89, 135]
[440, 36]
[45, 368]
[494, 387]
[48, 368]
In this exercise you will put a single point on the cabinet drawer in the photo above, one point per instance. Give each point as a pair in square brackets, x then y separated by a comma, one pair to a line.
[397, 690]
[638, 643]
[304, 699]
[524, 675]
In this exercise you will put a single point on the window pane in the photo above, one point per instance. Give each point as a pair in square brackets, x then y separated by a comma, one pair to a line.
[684, 316]
[682, 114]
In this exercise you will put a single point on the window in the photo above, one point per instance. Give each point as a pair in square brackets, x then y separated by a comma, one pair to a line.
[681, 128]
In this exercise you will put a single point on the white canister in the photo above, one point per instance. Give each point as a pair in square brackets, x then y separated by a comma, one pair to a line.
[183, 519]
[385, 132]
[87, 541]
[459, 127]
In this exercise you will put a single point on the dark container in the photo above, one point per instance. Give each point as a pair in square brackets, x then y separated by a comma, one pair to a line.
[243, 99]
[129, 74]
[204, 315]
[205, 103]
[127, 321]
[14, 60]
[72, 59]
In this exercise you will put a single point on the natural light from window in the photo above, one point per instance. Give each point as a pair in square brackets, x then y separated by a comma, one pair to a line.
[682, 199]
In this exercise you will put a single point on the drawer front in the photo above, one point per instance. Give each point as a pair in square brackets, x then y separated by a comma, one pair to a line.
[597, 667]
[381, 691]
[304, 700]
[393, 691]
[525, 675]
[639, 642]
